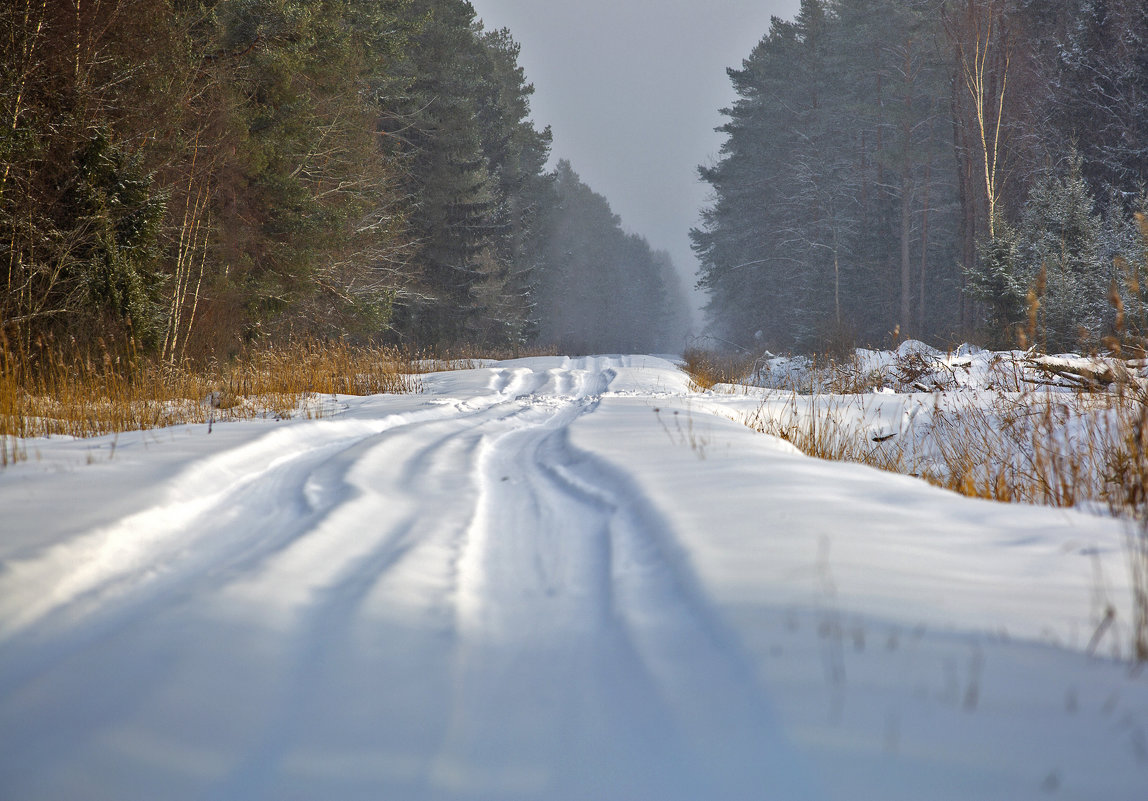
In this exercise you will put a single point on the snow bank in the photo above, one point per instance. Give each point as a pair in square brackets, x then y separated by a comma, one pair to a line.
[547, 578]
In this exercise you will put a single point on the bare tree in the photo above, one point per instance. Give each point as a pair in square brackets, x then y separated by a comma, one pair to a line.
[978, 31]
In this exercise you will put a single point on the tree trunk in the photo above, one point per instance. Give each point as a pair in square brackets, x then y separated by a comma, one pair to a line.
[906, 268]
[906, 321]
[924, 249]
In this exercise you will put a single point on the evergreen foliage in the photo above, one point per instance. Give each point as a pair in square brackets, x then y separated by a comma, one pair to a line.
[886, 172]
[599, 288]
[831, 203]
[999, 282]
[200, 173]
[446, 171]
[117, 263]
[1100, 68]
[1062, 236]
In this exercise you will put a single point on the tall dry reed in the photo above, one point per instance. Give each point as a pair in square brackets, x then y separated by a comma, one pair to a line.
[47, 388]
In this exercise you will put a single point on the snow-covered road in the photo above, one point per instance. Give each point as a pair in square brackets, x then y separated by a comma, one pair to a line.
[543, 579]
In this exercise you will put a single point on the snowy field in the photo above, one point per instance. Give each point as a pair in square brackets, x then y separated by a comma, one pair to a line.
[547, 579]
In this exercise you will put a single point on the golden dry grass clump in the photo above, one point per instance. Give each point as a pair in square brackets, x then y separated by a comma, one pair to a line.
[706, 368]
[1080, 446]
[50, 388]
[47, 388]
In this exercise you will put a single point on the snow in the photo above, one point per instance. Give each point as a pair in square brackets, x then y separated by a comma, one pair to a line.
[915, 366]
[546, 578]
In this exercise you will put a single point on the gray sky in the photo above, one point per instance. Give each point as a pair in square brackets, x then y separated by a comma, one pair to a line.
[632, 89]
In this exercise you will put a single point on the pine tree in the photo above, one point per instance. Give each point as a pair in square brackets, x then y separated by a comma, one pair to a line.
[1062, 235]
[600, 289]
[831, 206]
[118, 271]
[516, 155]
[1001, 282]
[307, 213]
[435, 129]
[752, 282]
[1101, 97]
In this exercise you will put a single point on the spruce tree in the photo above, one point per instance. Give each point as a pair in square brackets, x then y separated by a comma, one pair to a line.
[1062, 235]
[436, 131]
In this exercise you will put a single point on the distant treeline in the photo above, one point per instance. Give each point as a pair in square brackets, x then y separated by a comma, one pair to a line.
[934, 168]
[197, 174]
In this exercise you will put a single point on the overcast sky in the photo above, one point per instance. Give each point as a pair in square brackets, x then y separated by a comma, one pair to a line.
[632, 90]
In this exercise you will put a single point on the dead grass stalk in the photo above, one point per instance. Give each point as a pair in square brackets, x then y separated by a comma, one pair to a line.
[49, 389]
[706, 368]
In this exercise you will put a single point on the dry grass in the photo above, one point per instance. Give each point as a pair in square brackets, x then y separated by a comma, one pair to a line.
[1016, 440]
[1048, 448]
[1056, 449]
[46, 389]
[706, 368]
[824, 427]
[1021, 441]
[1063, 450]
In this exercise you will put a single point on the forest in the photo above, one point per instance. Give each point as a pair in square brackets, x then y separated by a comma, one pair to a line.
[198, 175]
[949, 170]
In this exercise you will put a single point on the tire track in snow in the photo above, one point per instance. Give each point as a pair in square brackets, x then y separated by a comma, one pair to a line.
[458, 592]
[432, 462]
[299, 553]
[206, 491]
[573, 607]
[220, 518]
[537, 644]
[702, 676]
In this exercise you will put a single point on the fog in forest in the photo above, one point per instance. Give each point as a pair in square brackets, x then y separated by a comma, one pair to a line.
[510, 175]
[949, 170]
[632, 90]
